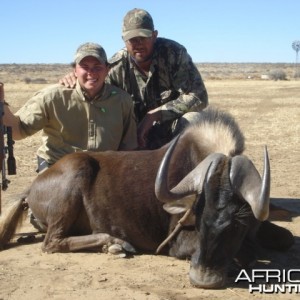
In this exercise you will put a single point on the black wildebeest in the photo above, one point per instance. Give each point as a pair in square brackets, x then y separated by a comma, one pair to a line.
[94, 200]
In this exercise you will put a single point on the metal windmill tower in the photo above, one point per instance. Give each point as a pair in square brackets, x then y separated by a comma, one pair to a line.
[296, 47]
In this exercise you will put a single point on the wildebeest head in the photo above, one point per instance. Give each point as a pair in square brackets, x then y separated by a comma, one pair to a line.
[230, 199]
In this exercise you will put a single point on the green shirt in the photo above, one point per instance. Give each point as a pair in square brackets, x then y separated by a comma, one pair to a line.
[70, 123]
[173, 83]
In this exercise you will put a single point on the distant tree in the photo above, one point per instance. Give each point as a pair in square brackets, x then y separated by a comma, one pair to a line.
[296, 47]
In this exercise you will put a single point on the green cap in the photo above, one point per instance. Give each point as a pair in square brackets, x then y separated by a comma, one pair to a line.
[137, 22]
[90, 49]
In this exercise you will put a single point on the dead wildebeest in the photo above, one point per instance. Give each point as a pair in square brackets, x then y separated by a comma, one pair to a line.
[100, 200]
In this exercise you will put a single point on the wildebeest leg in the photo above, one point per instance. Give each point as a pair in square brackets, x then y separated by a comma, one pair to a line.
[58, 237]
[54, 242]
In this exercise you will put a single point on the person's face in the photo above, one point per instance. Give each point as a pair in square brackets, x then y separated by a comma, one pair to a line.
[141, 48]
[91, 74]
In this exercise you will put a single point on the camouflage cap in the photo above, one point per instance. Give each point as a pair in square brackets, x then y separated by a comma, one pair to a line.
[90, 49]
[137, 22]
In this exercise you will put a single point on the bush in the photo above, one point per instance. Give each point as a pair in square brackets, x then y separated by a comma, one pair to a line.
[39, 80]
[277, 75]
[297, 74]
[27, 80]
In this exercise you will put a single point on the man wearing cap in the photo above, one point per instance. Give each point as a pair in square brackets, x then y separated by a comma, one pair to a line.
[159, 75]
[94, 116]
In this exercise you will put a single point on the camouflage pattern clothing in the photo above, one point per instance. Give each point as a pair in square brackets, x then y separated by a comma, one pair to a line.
[174, 83]
[70, 123]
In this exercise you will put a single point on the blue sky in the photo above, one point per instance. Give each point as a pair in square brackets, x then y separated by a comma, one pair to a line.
[49, 31]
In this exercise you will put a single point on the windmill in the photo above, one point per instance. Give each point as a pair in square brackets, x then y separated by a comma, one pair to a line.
[296, 47]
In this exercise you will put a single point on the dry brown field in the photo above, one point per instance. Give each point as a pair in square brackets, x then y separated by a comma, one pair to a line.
[268, 113]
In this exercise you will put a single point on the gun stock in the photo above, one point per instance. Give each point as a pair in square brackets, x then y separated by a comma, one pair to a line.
[2, 151]
[6, 148]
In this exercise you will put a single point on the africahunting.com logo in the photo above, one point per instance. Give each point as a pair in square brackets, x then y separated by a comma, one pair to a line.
[271, 281]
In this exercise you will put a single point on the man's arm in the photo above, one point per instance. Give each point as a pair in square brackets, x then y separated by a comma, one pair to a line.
[190, 86]
[146, 124]
[192, 96]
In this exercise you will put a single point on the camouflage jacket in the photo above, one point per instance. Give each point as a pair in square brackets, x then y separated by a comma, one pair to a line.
[173, 83]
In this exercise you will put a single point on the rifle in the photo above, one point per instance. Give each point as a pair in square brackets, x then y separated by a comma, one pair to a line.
[6, 148]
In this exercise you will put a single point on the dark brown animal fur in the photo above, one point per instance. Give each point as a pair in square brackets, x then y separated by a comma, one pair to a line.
[90, 200]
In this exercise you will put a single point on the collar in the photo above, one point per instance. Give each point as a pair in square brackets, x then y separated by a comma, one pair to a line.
[134, 66]
[84, 96]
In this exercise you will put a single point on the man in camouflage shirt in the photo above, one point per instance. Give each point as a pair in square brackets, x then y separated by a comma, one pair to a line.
[159, 75]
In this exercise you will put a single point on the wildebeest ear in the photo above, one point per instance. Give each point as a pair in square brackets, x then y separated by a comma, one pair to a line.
[179, 206]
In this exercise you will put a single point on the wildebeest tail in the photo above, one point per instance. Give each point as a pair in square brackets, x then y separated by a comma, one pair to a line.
[10, 220]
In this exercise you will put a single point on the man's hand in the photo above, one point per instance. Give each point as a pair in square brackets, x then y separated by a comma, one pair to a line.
[69, 80]
[1, 92]
[146, 124]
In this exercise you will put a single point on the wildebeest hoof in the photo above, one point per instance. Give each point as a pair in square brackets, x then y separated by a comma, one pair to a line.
[115, 249]
[119, 250]
[128, 248]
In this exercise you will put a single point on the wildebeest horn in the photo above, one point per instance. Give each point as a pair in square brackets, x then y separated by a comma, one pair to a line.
[244, 178]
[247, 182]
[191, 184]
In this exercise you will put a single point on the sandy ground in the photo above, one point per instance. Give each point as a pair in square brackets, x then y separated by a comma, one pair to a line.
[268, 113]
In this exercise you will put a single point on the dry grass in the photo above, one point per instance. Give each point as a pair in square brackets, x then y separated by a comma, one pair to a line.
[14, 73]
[268, 112]
[271, 106]
[243, 70]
